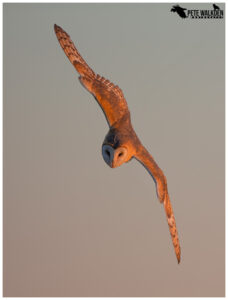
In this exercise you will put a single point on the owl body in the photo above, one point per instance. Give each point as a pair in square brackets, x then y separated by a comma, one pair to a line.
[122, 135]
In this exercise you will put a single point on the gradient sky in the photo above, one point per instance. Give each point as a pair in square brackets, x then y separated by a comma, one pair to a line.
[72, 225]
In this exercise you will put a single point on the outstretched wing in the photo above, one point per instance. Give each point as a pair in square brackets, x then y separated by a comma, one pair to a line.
[109, 96]
[148, 162]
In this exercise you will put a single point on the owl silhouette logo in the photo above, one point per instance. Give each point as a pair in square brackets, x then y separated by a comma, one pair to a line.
[179, 10]
[193, 13]
[216, 7]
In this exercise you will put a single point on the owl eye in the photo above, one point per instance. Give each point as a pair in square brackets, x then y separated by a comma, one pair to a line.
[107, 152]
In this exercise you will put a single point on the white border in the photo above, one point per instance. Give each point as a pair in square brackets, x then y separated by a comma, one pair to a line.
[1, 127]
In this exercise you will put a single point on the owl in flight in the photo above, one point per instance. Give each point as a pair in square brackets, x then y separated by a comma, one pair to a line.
[121, 143]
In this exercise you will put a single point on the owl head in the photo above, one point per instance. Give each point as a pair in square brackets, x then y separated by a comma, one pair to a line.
[114, 157]
[115, 150]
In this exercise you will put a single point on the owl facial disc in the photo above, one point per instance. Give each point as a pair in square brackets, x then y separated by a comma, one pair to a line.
[114, 157]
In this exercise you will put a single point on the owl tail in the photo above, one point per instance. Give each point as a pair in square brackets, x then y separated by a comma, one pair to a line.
[172, 227]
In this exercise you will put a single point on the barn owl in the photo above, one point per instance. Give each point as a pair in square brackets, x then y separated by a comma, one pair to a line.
[121, 143]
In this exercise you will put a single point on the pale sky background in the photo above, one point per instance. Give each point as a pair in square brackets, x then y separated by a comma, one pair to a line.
[72, 225]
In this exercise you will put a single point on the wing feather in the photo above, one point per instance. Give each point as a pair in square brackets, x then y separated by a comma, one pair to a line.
[109, 96]
[149, 163]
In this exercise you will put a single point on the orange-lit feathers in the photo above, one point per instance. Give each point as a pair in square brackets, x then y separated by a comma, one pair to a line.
[121, 133]
[109, 96]
[149, 163]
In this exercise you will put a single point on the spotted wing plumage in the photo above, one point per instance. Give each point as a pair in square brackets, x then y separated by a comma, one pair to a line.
[109, 96]
[144, 157]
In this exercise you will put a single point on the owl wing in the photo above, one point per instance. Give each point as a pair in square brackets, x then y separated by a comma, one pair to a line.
[144, 157]
[109, 96]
